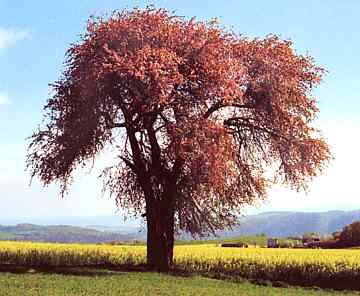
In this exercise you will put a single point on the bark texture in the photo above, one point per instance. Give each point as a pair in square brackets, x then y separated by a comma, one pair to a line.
[160, 236]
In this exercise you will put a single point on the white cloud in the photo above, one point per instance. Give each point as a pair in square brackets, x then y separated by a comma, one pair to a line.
[4, 99]
[8, 37]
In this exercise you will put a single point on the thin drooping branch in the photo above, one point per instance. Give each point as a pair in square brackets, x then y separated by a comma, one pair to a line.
[219, 105]
[118, 125]
[130, 164]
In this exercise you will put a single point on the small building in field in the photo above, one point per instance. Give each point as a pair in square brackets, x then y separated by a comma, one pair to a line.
[272, 243]
[311, 242]
[310, 238]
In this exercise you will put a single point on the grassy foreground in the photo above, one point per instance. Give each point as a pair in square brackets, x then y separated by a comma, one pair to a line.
[140, 284]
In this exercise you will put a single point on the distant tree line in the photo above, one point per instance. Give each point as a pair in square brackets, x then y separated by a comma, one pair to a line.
[348, 237]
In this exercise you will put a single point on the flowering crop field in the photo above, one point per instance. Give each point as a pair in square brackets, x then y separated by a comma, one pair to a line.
[327, 268]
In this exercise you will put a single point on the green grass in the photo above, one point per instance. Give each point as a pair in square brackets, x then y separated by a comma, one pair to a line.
[8, 236]
[260, 240]
[140, 284]
[253, 240]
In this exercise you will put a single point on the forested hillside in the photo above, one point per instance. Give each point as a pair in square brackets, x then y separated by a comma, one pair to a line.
[59, 233]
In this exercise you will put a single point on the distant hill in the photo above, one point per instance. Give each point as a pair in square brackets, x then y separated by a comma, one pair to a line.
[284, 224]
[109, 228]
[112, 221]
[59, 233]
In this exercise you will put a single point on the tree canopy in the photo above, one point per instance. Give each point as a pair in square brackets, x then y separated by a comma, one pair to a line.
[204, 120]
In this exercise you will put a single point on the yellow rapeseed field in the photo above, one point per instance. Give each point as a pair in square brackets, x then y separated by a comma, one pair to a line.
[289, 265]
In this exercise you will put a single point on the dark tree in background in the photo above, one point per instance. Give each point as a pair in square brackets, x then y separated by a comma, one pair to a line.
[203, 120]
[350, 235]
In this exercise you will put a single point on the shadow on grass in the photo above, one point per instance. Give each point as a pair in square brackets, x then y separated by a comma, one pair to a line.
[338, 284]
[91, 270]
[105, 270]
[73, 270]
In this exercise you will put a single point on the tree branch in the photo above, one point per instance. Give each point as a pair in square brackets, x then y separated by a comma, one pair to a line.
[236, 122]
[129, 164]
[155, 147]
[119, 124]
[219, 105]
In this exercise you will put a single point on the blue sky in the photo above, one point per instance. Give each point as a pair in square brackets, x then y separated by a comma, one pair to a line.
[34, 36]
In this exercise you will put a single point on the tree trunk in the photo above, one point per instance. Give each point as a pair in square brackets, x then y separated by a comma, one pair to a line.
[160, 235]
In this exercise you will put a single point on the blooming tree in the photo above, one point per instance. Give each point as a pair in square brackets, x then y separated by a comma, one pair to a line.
[203, 121]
